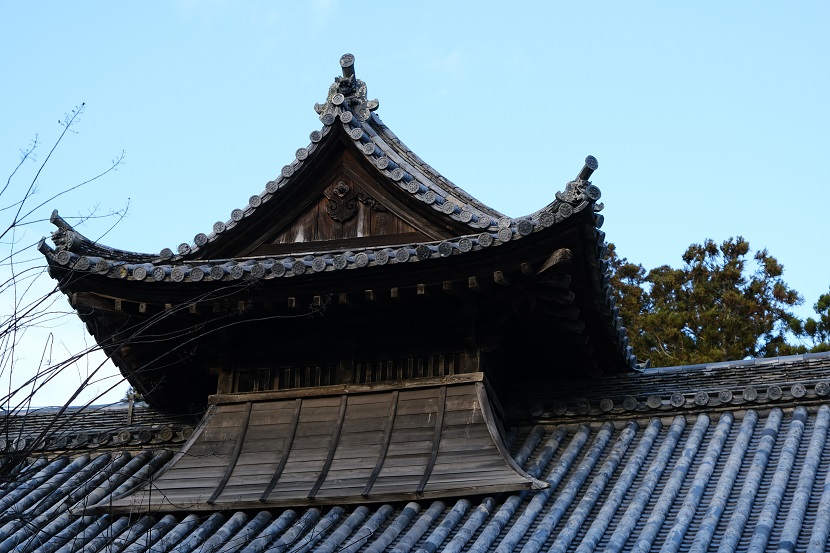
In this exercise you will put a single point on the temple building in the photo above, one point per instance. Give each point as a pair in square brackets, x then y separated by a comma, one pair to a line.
[367, 358]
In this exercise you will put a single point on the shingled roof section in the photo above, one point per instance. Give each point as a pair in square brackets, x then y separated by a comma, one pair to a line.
[746, 473]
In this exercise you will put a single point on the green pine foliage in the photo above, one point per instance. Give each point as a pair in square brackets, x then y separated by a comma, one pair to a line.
[724, 303]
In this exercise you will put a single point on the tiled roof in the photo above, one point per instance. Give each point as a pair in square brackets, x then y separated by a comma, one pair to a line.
[743, 478]
[84, 256]
[346, 111]
[221, 274]
[779, 381]
[95, 259]
[95, 427]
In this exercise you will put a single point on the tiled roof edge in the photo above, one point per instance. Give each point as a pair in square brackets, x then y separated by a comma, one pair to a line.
[182, 269]
[756, 361]
[140, 426]
[354, 112]
[792, 380]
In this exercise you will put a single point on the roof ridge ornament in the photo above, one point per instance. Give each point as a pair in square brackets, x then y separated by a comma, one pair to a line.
[347, 93]
[579, 192]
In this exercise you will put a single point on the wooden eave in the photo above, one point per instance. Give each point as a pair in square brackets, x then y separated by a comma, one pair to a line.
[338, 445]
[558, 270]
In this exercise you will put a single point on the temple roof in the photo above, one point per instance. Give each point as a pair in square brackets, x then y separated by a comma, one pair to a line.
[357, 218]
[748, 474]
[466, 224]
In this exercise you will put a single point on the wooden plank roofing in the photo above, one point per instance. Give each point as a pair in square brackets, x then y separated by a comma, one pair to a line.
[436, 439]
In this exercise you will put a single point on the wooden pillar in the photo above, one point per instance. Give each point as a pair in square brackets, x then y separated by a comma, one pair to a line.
[471, 360]
[346, 368]
[224, 373]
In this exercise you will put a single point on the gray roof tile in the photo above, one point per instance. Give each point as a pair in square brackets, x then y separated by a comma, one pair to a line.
[740, 480]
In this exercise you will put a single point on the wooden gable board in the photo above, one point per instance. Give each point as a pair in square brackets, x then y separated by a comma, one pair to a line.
[305, 215]
[352, 206]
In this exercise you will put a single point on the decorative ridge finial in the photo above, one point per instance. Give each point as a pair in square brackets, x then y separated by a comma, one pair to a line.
[347, 63]
[347, 93]
[591, 165]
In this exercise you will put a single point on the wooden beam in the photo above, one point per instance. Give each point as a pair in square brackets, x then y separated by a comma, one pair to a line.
[340, 389]
[436, 440]
[557, 260]
[384, 446]
[470, 359]
[286, 450]
[557, 296]
[240, 439]
[559, 281]
[94, 301]
[478, 285]
[335, 441]
[224, 384]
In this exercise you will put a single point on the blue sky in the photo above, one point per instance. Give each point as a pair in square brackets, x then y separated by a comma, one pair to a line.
[709, 119]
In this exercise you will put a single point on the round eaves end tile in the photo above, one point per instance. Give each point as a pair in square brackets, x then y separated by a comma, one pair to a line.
[701, 398]
[677, 400]
[217, 272]
[318, 265]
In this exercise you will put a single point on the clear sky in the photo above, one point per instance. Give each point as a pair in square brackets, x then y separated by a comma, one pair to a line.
[709, 119]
